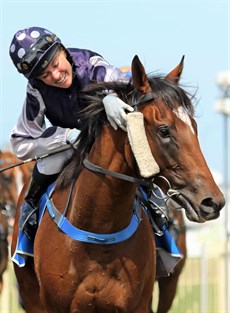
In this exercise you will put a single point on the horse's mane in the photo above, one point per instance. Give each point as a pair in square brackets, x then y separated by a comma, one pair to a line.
[93, 117]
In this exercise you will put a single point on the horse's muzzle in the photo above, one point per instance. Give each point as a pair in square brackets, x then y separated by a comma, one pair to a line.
[207, 210]
[210, 208]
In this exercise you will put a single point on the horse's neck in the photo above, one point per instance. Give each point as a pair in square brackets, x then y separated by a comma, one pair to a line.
[102, 200]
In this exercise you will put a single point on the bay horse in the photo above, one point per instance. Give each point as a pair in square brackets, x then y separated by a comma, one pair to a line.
[11, 182]
[8, 184]
[3, 247]
[112, 269]
[8, 203]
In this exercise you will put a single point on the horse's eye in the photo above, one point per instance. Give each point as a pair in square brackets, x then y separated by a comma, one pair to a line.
[163, 131]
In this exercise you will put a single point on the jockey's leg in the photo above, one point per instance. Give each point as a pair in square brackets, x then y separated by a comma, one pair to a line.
[45, 172]
[38, 185]
[157, 208]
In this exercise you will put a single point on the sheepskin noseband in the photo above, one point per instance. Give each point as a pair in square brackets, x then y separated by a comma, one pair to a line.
[138, 141]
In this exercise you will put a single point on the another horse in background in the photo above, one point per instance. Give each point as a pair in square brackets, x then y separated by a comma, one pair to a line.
[3, 247]
[9, 189]
[11, 183]
[111, 267]
[168, 285]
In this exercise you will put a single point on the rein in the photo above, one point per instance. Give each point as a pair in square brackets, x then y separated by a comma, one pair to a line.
[97, 169]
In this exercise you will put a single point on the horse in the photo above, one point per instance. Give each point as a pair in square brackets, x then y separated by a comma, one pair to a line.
[11, 183]
[8, 185]
[167, 285]
[3, 247]
[111, 267]
[12, 179]
[8, 203]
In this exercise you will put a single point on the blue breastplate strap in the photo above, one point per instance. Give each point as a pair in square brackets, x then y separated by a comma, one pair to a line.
[81, 235]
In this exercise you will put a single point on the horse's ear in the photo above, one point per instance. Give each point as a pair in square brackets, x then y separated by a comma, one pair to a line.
[175, 74]
[140, 80]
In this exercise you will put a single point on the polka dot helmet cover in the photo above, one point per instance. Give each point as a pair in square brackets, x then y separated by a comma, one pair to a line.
[22, 42]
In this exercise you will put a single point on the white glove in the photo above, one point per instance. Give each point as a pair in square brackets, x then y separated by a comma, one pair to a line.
[72, 135]
[115, 111]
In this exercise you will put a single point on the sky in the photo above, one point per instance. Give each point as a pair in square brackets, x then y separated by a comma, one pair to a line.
[159, 32]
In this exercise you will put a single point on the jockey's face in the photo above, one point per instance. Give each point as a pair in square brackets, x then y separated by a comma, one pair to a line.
[59, 72]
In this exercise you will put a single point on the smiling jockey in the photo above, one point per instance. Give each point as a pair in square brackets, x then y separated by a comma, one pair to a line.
[56, 75]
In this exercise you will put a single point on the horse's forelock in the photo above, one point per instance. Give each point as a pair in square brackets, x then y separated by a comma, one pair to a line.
[171, 93]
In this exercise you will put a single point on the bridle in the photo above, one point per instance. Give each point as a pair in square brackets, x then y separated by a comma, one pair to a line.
[136, 101]
[97, 169]
[141, 100]
[150, 184]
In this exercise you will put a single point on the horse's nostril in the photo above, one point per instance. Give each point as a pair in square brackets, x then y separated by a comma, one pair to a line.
[209, 206]
[208, 202]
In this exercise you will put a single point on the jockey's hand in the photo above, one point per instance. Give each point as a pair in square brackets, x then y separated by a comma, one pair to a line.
[115, 111]
[72, 136]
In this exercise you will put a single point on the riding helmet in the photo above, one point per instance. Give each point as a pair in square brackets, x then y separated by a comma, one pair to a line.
[32, 49]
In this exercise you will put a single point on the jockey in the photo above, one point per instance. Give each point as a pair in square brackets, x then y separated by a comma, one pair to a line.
[55, 76]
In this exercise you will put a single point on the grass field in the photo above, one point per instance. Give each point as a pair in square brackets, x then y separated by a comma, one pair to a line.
[9, 300]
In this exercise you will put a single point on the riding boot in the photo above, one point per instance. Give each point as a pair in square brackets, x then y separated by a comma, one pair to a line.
[29, 211]
[159, 208]
[156, 207]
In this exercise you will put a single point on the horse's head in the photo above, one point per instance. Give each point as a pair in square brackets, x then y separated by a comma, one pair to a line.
[172, 137]
[170, 134]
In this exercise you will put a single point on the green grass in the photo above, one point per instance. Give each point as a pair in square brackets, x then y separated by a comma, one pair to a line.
[9, 301]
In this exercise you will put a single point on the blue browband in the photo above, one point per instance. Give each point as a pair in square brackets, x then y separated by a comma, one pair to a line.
[81, 235]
